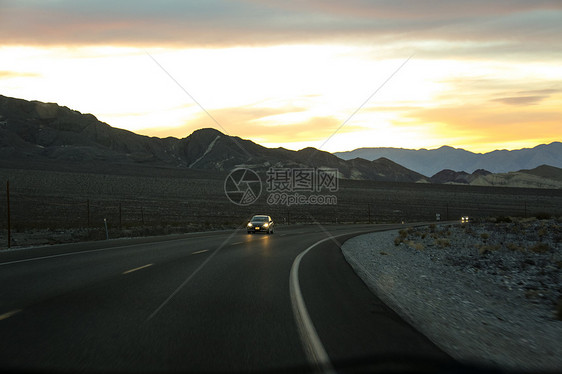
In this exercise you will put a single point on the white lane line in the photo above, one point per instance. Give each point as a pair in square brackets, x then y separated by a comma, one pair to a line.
[59, 255]
[9, 314]
[96, 250]
[201, 251]
[237, 243]
[191, 276]
[313, 347]
[135, 269]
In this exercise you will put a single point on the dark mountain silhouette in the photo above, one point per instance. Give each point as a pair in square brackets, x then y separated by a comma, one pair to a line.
[450, 176]
[34, 135]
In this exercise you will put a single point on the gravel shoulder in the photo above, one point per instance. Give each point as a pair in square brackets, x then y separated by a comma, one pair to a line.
[486, 293]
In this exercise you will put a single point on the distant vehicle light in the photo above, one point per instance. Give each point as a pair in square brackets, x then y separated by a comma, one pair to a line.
[464, 219]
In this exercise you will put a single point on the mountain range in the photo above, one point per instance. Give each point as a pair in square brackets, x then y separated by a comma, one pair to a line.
[430, 162]
[33, 132]
[35, 135]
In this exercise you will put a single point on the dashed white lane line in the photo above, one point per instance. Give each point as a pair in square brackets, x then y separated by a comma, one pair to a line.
[9, 314]
[135, 269]
[201, 251]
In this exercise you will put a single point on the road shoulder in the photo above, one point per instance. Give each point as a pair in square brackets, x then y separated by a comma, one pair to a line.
[475, 322]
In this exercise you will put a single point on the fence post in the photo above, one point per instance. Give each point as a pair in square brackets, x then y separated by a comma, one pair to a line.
[8, 206]
[120, 215]
[106, 231]
[88, 211]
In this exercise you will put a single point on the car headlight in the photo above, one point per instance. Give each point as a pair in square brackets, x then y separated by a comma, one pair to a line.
[250, 224]
[265, 224]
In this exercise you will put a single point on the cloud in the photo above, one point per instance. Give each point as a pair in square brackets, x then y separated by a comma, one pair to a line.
[499, 27]
[488, 124]
[521, 100]
[261, 124]
[7, 74]
[235, 121]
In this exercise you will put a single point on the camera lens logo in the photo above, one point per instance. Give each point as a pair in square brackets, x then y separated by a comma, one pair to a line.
[242, 186]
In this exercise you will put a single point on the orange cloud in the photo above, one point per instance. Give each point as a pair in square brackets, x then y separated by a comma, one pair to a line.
[260, 125]
[521, 100]
[6, 74]
[491, 126]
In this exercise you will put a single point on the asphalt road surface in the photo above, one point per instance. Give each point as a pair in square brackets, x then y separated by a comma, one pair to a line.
[206, 302]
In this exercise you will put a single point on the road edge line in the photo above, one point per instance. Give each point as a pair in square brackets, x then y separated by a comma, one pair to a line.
[313, 347]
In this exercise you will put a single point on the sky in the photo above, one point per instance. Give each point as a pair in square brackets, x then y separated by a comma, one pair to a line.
[335, 75]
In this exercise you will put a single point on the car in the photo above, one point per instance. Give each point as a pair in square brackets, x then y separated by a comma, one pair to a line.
[464, 219]
[260, 223]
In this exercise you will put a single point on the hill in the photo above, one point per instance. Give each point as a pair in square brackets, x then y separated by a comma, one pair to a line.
[543, 176]
[37, 135]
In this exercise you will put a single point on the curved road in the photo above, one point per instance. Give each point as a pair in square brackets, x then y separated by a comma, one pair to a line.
[203, 302]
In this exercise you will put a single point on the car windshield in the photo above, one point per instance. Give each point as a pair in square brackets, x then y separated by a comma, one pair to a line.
[387, 198]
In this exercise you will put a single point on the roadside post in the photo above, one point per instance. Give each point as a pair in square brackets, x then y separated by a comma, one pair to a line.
[106, 232]
[8, 208]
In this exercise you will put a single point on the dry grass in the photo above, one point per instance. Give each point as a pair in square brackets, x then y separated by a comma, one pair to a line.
[514, 247]
[442, 242]
[540, 248]
[483, 249]
[402, 235]
[415, 245]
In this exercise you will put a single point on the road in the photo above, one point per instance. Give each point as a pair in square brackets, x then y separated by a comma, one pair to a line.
[203, 302]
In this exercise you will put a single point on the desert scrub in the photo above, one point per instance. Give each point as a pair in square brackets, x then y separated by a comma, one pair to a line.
[540, 248]
[415, 245]
[484, 236]
[514, 247]
[442, 242]
[402, 235]
[484, 249]
[542, 231]
[543, 216]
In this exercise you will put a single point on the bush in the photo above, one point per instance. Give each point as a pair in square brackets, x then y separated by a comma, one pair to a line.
[543, 215]
[414, 245]
[514, 247]
[484, 249]
[504, 219]
[443, 242]
[540, 248]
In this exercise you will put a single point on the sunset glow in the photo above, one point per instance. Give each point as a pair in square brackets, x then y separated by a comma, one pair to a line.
[480, 76]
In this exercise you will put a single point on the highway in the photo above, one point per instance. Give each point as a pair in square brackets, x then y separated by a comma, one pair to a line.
[203, 302]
